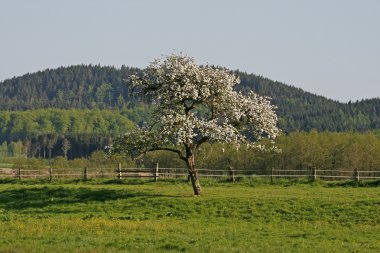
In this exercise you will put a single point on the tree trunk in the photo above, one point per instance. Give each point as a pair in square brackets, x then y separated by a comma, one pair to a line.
[193, 175]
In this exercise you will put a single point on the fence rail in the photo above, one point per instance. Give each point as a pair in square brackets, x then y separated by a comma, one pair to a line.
[157, 173]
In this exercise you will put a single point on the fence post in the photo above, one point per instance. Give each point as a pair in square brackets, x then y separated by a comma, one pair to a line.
[357, 176]
[119, 171]
[314, 174]
[85, 176]
[156, 173]
[50, 174]
[232, 174]
[19, 173]
[271, 175]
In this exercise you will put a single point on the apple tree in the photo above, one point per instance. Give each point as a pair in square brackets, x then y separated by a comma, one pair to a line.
[193, 104]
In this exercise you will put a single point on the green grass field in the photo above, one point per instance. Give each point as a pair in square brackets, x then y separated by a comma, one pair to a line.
[110, 216]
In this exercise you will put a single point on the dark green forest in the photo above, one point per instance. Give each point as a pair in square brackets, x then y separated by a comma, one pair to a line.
[80, 87]
[102, 87]
[74, 111]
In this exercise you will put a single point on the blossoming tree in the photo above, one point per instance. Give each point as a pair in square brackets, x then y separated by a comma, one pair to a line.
[194, 104]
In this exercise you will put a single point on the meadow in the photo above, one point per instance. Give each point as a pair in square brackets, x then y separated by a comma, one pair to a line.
[143, 216]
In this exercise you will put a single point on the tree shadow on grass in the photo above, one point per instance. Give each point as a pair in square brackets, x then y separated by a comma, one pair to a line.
[19, 199]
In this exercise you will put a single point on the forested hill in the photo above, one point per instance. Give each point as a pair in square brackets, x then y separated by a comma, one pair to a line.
[104, 87]
[301, 110]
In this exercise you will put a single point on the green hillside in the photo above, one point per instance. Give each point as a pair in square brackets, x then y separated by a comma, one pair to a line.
[104, 87]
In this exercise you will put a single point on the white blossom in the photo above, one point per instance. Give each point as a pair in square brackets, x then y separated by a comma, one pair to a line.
[194, 104]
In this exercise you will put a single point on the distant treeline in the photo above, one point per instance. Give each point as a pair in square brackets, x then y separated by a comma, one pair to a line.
[97, 87]
[297, 151]
[51, 132]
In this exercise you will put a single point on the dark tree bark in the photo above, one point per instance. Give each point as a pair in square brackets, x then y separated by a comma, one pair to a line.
[190, 162]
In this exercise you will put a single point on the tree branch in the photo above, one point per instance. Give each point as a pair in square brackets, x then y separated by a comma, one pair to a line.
[178, 152]
[201, 141]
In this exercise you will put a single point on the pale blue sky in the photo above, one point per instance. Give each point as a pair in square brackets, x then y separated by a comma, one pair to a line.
[328, 47]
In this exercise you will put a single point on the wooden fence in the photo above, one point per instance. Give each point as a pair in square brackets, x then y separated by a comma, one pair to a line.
[157, 173]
